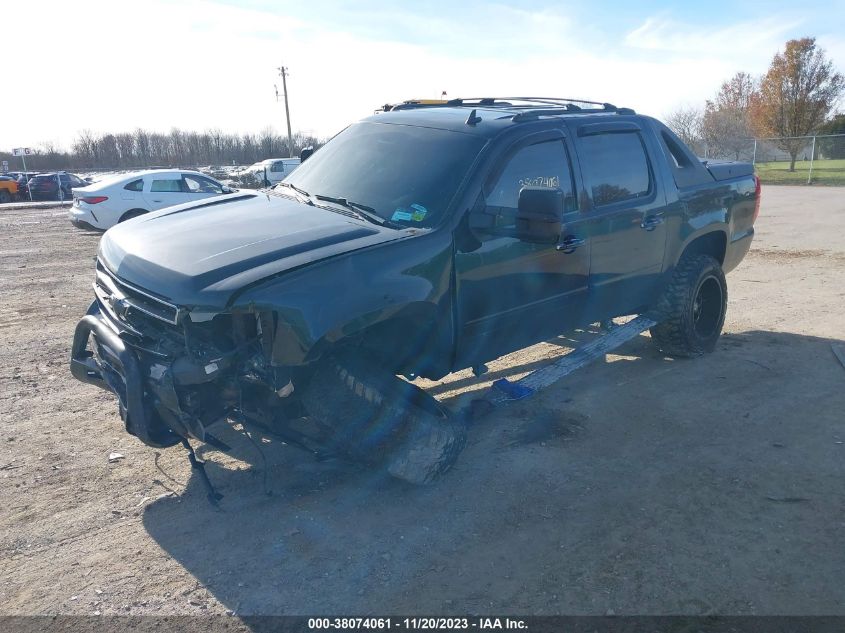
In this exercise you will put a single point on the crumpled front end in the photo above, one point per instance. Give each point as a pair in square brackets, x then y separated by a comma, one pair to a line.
[175, 374]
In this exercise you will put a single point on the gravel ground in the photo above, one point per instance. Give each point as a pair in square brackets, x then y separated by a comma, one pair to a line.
[637, 485]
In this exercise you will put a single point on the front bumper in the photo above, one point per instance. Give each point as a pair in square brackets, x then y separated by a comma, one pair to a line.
[115, 367]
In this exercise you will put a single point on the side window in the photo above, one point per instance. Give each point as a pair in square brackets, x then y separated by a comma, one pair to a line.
[135, 185]
[169, 186]
[278, 166]
[64, 178]
[615, 167]
[541, 165]
[200, 184]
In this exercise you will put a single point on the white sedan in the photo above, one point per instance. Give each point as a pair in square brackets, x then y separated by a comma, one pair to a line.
[106, 202]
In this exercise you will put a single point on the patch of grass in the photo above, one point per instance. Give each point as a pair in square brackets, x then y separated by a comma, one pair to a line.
[825, 172]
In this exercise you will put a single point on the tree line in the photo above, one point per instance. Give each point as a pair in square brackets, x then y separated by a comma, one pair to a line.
[143, 149]
[796, 97]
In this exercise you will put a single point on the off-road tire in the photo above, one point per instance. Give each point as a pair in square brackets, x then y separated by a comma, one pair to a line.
[5, 196]
[692, 308]
[132, 213]
[378, 418]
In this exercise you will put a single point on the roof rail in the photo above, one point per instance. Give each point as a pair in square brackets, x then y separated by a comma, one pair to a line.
[531, 107]
[535, 114]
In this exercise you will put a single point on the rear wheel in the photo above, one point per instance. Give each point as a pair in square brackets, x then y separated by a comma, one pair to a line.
[132, 213]
[692, 308]
[378, 418]
[5, 196]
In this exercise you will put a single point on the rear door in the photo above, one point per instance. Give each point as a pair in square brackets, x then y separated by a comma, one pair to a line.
[165, 190]
[625, 217]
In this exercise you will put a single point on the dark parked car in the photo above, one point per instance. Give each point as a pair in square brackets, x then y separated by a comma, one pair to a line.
[44, 186]
[418, 242]
[21, 178]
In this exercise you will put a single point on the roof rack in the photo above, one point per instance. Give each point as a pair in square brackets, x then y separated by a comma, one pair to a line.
[528, 107]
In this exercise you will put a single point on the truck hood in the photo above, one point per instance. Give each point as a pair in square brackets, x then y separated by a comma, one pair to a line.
[199, 254]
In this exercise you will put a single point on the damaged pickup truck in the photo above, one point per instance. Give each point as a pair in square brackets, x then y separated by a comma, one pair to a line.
[425, 239]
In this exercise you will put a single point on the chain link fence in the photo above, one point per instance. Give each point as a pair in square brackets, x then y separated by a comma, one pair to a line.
[819, 159]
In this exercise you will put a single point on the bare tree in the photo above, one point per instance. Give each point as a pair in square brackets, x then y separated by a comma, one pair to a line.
[143, 148]
[85, 148]
[796, 95]
[685, 122]
[125, 143]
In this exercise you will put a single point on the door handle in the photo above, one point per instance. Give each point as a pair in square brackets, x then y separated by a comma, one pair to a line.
[651, 222]
[570, 243]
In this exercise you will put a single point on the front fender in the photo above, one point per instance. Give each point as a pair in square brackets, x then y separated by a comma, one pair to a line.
[394, 299]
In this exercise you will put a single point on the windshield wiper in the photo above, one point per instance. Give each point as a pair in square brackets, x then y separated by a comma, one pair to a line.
[361, 210]
[301, 193]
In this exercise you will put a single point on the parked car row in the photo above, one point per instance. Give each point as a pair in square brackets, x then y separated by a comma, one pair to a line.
[43, 186]
[59, 185]
[103, 204]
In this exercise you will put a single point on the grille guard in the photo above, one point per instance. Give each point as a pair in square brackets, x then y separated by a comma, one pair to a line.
[118, 371]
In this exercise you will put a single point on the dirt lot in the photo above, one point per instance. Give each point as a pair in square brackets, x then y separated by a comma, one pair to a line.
[638, 485]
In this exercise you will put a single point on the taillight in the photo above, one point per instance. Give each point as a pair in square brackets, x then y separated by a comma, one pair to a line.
[94, 199]
[757, 192]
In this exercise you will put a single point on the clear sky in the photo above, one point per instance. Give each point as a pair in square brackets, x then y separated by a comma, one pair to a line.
[115, 65]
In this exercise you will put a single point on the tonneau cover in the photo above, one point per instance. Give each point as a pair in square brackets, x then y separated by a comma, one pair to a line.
[728, 169]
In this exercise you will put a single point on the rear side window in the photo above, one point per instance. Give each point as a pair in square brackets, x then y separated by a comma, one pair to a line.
[135, 185]
[171, 186]
[615, 166]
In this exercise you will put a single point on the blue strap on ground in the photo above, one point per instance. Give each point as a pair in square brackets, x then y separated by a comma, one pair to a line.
[505, 391]
[513, 390]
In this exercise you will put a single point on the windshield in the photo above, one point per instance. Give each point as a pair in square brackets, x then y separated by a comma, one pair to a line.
[405, 174]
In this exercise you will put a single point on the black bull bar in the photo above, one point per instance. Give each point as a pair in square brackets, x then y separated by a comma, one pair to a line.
[118, 370]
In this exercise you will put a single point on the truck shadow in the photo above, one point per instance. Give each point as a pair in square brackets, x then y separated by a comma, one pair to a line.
[298, 536]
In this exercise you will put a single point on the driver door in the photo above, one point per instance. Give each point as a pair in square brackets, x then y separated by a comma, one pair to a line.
[511, 293]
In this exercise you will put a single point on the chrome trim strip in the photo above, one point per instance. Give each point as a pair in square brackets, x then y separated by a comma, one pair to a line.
[114, 282]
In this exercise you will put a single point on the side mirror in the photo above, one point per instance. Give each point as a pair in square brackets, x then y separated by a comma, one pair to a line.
[226, 189]
[539, 213]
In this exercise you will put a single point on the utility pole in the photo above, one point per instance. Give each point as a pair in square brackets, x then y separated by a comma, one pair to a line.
[283, 71]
